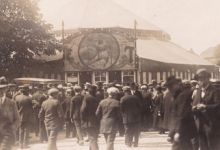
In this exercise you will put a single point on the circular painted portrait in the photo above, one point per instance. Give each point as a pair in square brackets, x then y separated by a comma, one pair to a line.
[98, 51]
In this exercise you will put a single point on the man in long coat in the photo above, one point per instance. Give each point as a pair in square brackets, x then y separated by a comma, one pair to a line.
[90, 121]
[25, 110]
[52, 114]
[8, 107]
[76, 103]
[145, 121]
[207, 112]
[182, 128]
[109, 113]
[66, 110]
[37, 99]
[131, 113]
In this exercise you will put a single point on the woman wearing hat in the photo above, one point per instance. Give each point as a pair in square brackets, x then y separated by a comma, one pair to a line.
[158, 111]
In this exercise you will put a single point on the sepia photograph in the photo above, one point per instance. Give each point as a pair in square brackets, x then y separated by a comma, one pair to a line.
[109, 74]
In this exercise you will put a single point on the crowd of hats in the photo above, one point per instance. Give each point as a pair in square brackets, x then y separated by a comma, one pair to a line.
[201, 73]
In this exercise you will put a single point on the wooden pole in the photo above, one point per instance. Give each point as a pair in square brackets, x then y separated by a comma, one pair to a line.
[135, 51]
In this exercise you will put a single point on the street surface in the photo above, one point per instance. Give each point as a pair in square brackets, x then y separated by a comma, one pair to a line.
[148, 141]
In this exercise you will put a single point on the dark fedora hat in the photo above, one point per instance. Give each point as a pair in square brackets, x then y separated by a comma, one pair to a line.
[153, 82]
[3, 82]
[202, 73]
[171, 80]
[24, 88]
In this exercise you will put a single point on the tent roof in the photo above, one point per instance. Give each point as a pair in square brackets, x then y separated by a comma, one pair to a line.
[162, 50]
[95, 14]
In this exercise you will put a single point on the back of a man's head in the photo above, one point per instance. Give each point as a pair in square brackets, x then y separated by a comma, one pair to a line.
[77, 89]
[53, 92]
[112, 91]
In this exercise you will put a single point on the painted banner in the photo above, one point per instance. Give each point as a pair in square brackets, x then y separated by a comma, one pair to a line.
[99, 51]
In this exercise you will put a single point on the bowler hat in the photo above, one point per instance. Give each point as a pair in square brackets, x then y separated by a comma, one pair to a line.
[153, 82]
[132, 84]
[170, 80]
[193, 82]
[99, 83]
[3, 82]
[202, 73]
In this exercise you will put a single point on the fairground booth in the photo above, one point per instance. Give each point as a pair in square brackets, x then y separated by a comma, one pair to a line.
[107, 42]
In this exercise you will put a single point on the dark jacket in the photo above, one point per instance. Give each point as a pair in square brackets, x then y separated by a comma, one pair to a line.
[146, 101]
[7, 137]
[208, 121]
[88, 109]
[37, 99]
[76, 103]
[100, 95]
[24, 107]
[130, 108]
[66, 104]
[109, 113]
[52, 114]
[182, 120]
[139, 96]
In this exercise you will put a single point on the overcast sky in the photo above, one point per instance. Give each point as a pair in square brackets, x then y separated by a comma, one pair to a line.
[191, 23]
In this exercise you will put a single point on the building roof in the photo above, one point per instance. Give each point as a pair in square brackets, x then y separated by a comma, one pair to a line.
[209, 53]
[162, 50]
[78, 14]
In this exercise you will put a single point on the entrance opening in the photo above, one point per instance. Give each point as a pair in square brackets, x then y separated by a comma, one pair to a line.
[115, 75]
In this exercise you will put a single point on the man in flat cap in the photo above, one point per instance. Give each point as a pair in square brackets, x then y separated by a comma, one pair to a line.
[206, 106]
[24, 105]
[66, 109]
[182, 127]
[52, 114]
[76, 103]
[131, 113]
[109, 113]
[37, 99]
[90, 121]
[8, 107]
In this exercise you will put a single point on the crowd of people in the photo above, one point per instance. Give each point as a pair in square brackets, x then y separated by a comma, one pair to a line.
[188, 110]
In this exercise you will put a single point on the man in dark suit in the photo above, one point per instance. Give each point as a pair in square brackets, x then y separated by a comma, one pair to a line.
[90, 121]
[25, 110]
[182, 128]
[146, 114]
[134, 91]
[131, 113]
[206, 106]
[100, 91]
[76, 103]
[52, 114]
[109, 113]
[37, 99]
[66, 109]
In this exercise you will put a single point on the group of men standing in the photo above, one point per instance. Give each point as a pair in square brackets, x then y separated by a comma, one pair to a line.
[193, 124]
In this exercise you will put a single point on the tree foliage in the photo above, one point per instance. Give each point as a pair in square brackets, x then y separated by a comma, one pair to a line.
[23, 34]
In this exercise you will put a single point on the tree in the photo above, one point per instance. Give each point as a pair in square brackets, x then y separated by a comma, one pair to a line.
[23, 34]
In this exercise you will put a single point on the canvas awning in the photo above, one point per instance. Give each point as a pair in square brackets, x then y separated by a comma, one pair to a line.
[161, 53]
